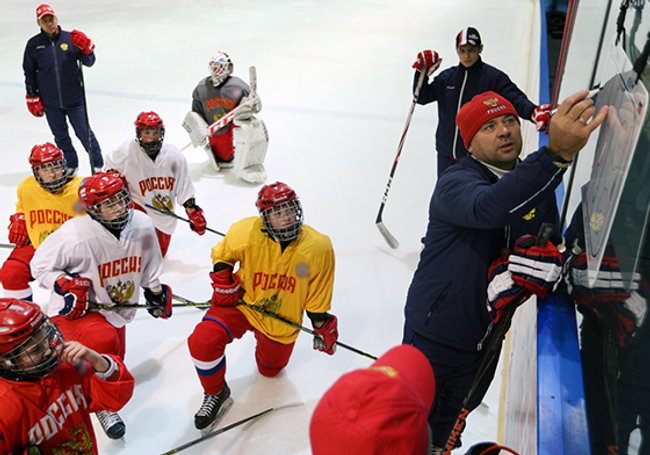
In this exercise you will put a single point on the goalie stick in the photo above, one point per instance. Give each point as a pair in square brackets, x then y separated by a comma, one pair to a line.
[229, 427]
[390, 239]
[173, 215]
[493, 347]
[226, 119]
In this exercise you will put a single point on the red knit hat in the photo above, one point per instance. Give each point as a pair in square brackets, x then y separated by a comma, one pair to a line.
[44, 10]
[482, 108]
[378, 410]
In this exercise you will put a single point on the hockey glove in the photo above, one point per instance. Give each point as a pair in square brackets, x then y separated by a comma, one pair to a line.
[162, 300]
[535, 268]
[75, 295]
[35, 105]
[80, 40]
[226, 288]
[502, 290]
[18, 230]
[428, 59]
[542, 117]
[329, 333]
[198, 223]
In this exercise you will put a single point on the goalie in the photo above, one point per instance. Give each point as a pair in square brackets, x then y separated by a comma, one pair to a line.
[241, 142]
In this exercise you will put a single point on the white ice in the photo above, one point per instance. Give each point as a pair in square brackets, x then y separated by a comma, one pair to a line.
[335, 80]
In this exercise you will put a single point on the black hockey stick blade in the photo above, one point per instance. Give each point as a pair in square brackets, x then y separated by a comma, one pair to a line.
[500, 330]
[230, 427]
[173, 215]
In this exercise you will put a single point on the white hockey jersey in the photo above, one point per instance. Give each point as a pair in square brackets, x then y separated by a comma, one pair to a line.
[163, 183]
[117, 268]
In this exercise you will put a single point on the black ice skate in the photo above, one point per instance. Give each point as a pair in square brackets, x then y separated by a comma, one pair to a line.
[112, 424]
[212, 410]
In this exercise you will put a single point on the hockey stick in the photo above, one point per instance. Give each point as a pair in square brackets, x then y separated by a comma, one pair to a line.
[390, 239]
[279, 318]
[10, 246]
[230, 427]
[172, 214]
[83, 92]
[99, 306]
[500, 330]
[226, 119]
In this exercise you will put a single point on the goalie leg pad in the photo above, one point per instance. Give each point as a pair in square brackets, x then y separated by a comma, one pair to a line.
[197, 128]
[251, 144]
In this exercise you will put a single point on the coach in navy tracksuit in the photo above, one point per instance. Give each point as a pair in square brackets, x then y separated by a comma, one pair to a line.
[457, 85]
[53, 83]
[483, 204]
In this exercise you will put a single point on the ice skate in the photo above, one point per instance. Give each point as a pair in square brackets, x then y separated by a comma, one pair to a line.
[212, 410]
[112, 424]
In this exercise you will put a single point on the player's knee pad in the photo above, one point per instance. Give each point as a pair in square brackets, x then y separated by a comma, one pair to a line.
[15, 275]
[251, 144]
[268, 371]
[210, 335]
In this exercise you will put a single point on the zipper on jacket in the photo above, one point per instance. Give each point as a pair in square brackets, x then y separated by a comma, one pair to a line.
[460, 103]
[56, 71]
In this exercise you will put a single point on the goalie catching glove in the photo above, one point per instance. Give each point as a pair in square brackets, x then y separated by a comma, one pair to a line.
[75, 295]
[18, 230]
[502, 290]
[329, 333]
[535, 268]
[161, 299]
[225, 285]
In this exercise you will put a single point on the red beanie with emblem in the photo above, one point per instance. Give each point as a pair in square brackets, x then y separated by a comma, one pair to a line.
[482, 108]
[378, 410]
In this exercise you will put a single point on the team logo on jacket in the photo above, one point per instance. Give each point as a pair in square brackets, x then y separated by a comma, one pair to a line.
[121, 292]
[65, 407]
[530, 215]
[163, 203]
[44, 235]
[597, 221]
[156, 183]
[271, 304]
[491, 102]
[119, 267]
[64, 46]
[79, 442]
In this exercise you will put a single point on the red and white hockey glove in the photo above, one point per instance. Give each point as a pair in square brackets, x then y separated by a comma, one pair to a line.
[75, 295]
[428, 59]
[18, 229]
[80, 40]
[226, 290]
[199, 223]
[535, 268]
[162, 300]
[542, 117]
[329, 333]
[502, 290]
[35, 105]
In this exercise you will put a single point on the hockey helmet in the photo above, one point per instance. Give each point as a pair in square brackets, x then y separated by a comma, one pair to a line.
[31, 345]
[148, 121]
[107, 199]
[220, 67]
[280, 210]
[49, 166]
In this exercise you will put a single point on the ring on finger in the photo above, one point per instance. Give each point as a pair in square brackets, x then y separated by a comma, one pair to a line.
[582, 121]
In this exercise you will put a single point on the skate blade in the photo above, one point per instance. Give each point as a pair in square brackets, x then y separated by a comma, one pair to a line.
[224, 408]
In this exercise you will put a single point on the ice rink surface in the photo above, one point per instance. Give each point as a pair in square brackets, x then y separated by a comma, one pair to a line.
[335, 81]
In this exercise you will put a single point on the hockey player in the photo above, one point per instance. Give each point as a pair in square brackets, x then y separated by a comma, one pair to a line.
[49, 387]
[487, 202]
[103, 258]
[285, 267]
[53, 84]
[457, 85]
[45, 202]
[214, 97]
[157, 175]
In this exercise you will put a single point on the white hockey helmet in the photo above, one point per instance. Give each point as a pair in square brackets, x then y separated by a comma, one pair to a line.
[220, 67]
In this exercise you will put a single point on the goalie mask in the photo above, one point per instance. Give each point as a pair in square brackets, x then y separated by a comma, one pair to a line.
[281, 211]
[107, 199]
[150, 132]
[49, 166]
[220, 68]
[31, 345]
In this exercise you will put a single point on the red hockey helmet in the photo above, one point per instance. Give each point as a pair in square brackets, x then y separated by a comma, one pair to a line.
[220, 67]
[146, 121]
[107, 199]
[30, 343]
[49, 166]
[280, 210]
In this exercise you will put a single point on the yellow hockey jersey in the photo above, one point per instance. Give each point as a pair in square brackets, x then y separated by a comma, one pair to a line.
[46, 212]
[286, 283]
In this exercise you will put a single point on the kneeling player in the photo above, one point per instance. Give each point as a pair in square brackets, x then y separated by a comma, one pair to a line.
[213, 98]
[42, 379]
[285, 267]
[45, 202]
[102, 258]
